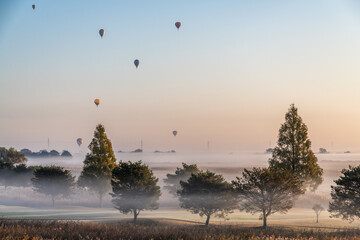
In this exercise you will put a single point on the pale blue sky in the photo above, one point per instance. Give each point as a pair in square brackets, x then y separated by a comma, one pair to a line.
[228, 75]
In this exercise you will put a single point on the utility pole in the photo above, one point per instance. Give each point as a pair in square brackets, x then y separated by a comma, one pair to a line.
[208, 145]
[141, 144]
[48, 144]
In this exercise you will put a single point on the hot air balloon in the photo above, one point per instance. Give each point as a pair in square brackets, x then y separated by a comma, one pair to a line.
[101, 32]
[178, 25]
[136, 62]
[97, 102]
[79, 141]
[174, 133]
[33, 6]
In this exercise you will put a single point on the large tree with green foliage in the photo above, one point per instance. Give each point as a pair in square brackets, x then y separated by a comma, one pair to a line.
[53, 181]
[13, 171]
[98, 165]
[134, 188]
[267, 191]
[12, 156]
[345, 195]
[172, 181]
[207, 194]
[293, 151]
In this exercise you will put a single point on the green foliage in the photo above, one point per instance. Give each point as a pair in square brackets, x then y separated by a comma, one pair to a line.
[206, 193]
[20, 176]
[172, 181]
[53, 181]
[134, 188]
[293, 151]
[13, 171]
[98, 165]
[267, 191]
[345, 195]
[11, 156]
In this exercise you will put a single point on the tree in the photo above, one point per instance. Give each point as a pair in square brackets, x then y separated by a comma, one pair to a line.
[317, 209]
[12, 168]
[53, 181]
[6, 172]
[293, 151]
[98, 165]
[267, 191]
[346, 195]
[323, 150]
[134, 188]
[207, 194]
[54, 153]
[17, 176]
[12, 156]
[172, 181]
[66, 153]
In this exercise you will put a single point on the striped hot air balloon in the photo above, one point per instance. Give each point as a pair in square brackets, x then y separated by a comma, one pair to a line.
[79, 141]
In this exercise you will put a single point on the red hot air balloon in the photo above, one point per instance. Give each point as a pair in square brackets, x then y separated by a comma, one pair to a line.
[101, 32]
[178, 25]
[33, 6]
[136, 62]
[97, 102]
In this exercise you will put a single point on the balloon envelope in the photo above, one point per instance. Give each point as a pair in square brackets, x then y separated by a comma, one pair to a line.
[136, 62]
[174, 133]
[97, 102]
[79, 141]
[101, 32]
[33, 6]
[178, 25]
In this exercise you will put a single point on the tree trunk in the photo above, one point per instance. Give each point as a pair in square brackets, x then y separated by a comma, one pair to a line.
[135, 215]
[53, 201]
[317, 218]
[100, 201]
[207, 220]
[264, 221]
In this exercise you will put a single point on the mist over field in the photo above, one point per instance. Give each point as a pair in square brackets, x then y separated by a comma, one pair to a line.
[19, 203]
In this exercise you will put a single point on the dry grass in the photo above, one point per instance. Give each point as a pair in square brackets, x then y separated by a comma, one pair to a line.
[151, 229]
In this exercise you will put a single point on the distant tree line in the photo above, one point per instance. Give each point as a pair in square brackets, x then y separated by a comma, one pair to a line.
[293, 169]
[45, 153]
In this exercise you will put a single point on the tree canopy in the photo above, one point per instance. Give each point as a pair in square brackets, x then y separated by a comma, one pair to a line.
[12, 156]
[267, 191]
[345, 195]
[98, 165]
[172, 181]
[53, 181]
[134, 188]
[207, 194]
[13, 169]
[293, 151]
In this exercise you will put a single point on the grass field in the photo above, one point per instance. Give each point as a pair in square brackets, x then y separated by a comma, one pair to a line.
[297, 217]
[158, 229]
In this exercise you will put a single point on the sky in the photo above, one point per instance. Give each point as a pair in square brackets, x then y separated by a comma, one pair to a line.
[227, 76]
